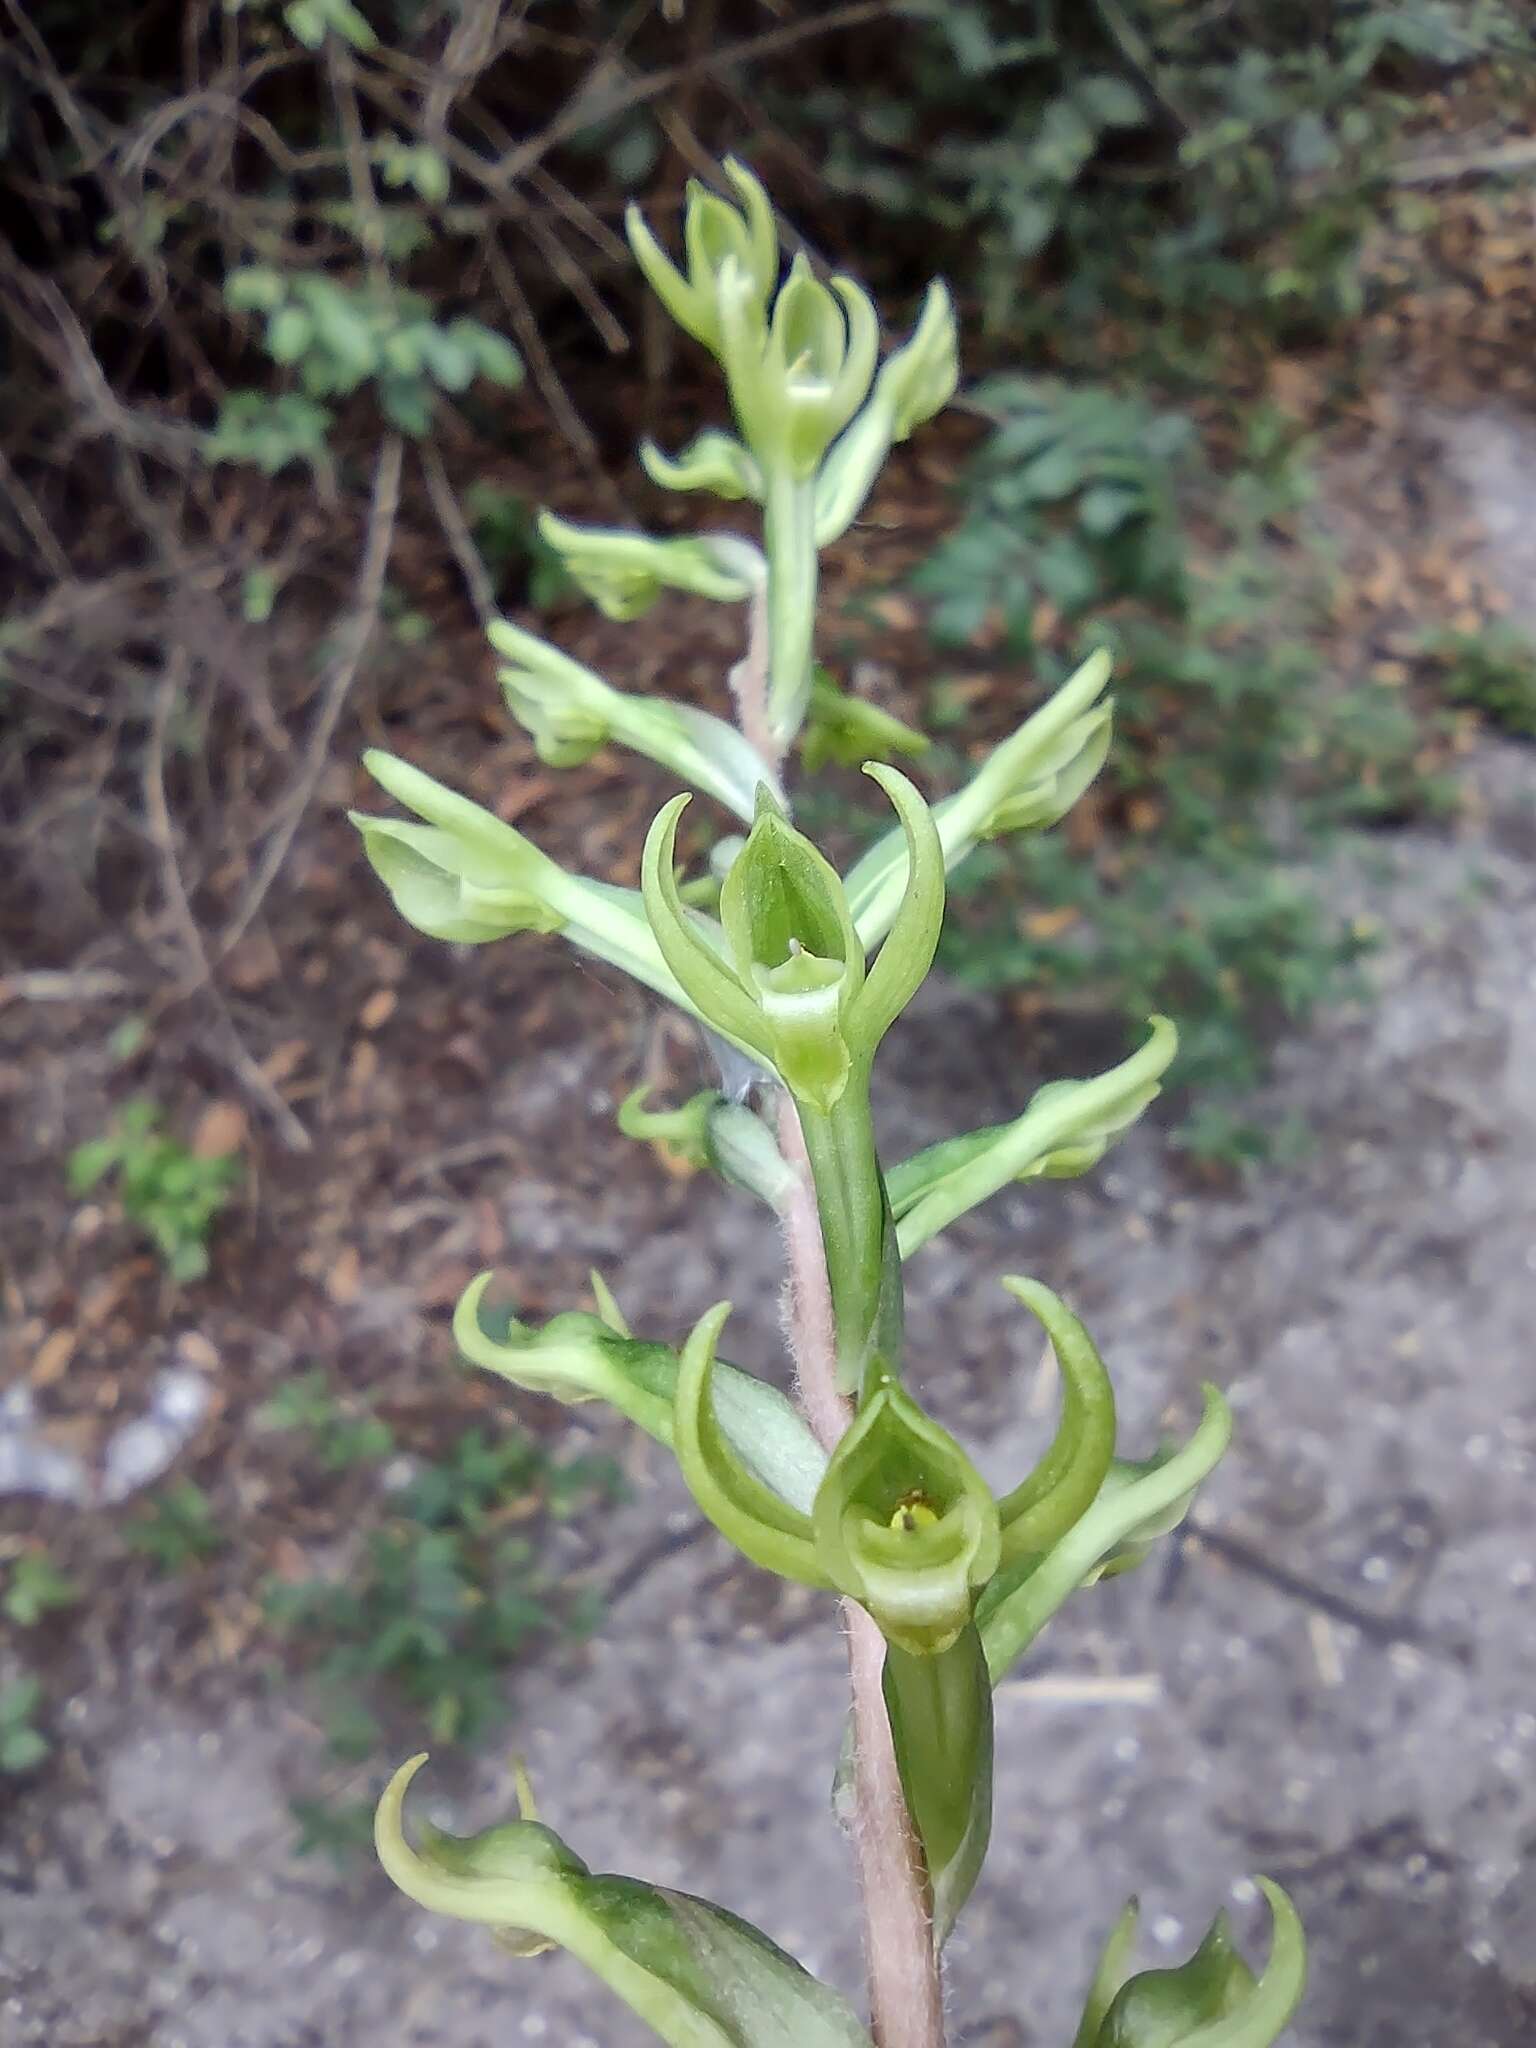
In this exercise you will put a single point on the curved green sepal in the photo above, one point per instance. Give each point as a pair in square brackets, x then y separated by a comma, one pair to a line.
[1067, 1127]
[748, 1513]
[715, 992]
[1213, 2000]
[1031, 779]
[905, 1524]
[578, 1357]
[901, 966]
[1066, 1482]
[940, 1711]
[571, 712]
[695, 1974]
[1134, 1504]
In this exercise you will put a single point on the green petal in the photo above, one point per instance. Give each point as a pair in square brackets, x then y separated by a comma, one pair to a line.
[709, 984]
[1064, 1485]
[902, 964]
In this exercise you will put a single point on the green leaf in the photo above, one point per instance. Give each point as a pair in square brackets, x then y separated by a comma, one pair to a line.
[698, 1976]
[494, 354]
[940, 1711]
[254, 288]
[289, 333]
[22, 1749]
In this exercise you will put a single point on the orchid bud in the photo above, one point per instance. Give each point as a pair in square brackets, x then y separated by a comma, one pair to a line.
[624, 573]
[712, 461]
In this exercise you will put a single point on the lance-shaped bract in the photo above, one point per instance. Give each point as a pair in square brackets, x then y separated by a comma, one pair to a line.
[577, 1357]
[466, 876]
[715, 234]
[1019, 1602]
[571, 713]
[698, 1976]
[1212, 2001]
[1031, 780]
[1066, 1128]
[624, 573]
[914, 383]
[940, 1711]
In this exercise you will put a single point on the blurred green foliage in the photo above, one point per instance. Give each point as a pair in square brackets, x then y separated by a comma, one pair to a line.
[168, 1191]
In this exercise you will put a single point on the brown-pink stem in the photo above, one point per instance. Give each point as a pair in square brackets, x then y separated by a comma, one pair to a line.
[905, 1992]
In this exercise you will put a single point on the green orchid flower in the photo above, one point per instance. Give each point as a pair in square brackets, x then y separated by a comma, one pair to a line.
[901, 1520]
[624, 573]
[716, 235]
[698, 1976]
[1028, 782]
[571, 712]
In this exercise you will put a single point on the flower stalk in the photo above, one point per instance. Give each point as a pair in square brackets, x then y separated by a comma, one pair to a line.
[793, 975]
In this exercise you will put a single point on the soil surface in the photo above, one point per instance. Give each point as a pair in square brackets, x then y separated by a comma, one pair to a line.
[1330, 1678]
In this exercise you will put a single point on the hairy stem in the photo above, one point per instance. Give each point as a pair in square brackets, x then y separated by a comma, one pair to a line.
[905, 1996]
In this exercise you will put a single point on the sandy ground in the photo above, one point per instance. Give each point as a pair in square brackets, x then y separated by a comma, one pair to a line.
[1336, 1685]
